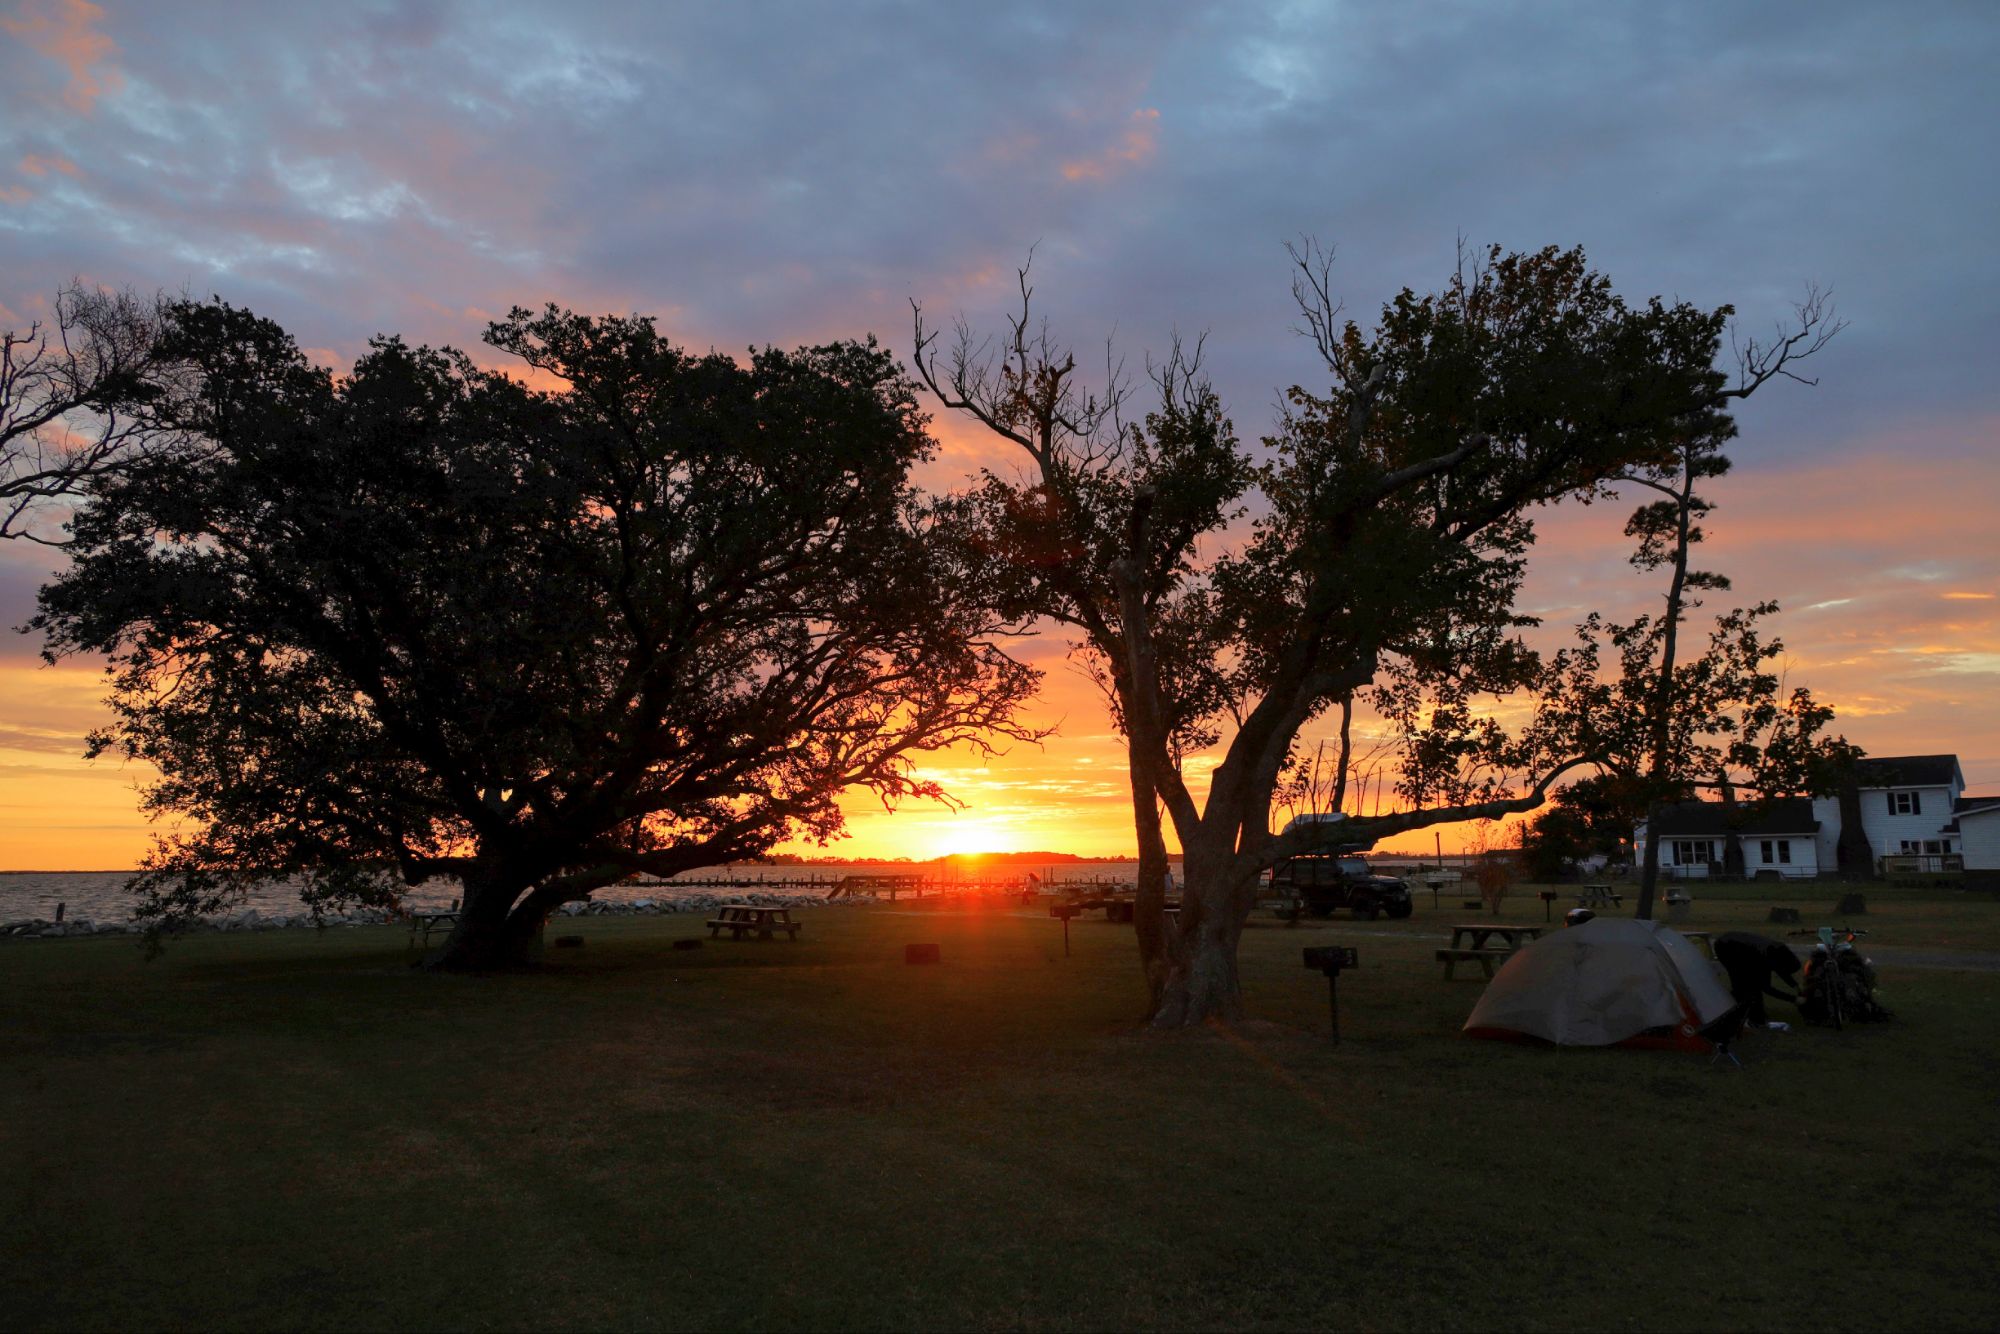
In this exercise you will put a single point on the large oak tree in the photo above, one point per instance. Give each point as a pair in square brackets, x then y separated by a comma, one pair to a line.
[422, 620]
[1384, 562]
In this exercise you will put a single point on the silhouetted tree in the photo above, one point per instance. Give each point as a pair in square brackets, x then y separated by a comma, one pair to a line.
[423, 620]
[73, 398]
[1587, 818]
[1386, 562]
[1681, 708]
[1732, 727]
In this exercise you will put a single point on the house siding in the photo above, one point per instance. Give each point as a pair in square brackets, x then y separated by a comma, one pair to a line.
[1804, 850]
[1887, 833]
[1980, 833]
[1818, 852]
[1804, 865]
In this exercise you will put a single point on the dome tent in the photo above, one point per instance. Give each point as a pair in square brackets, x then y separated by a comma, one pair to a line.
[1610, 981]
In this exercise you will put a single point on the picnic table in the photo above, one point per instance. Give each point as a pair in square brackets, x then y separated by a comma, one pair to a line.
[423, 921]
[1476, 934]
[1468, 944]
[741, 918]
[1599, 896]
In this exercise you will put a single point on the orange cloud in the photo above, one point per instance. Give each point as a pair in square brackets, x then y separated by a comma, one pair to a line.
[1967, 597]
[36, 165]
[64, 31]
[1138, 144]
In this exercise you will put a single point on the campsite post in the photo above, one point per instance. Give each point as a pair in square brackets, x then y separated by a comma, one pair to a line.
[1064, 911]
[1330, 959]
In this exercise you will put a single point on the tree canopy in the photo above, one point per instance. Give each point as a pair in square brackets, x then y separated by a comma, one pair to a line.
[74, 393]
[1384, 562]
[424, 620]
[1668, 722]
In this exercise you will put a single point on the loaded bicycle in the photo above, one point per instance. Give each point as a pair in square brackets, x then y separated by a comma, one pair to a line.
[1839, 982]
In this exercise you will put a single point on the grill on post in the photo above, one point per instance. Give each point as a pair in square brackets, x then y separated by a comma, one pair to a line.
[1331, 959]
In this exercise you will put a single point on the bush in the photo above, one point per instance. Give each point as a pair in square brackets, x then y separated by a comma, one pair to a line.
[1494, 874]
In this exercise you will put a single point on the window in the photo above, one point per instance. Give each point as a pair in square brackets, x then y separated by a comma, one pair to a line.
[1785, 852]
[1777, 852]
[1691, 852]
[1931, 848]
[1909, 848]
[1905, 803]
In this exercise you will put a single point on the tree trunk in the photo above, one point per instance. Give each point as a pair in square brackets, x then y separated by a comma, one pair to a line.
[1649, 872]
[1662, 703]
[1852, 853]
[1733, 865]
[1201, 981]
[1159, 938]
[489, 933]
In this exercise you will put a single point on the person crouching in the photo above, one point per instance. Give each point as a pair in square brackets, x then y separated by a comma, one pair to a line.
[1751, 962]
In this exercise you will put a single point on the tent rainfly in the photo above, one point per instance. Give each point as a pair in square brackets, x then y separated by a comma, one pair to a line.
[1608, 982]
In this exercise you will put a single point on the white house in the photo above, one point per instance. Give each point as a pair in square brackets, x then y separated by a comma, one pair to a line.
[1779, 837]
[1909, 807]
[1979, 832]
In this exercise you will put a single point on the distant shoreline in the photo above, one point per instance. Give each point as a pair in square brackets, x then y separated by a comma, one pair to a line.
[1028, 859]
[1001, 858]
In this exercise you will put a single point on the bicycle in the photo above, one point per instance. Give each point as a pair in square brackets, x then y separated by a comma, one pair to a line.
[1839, 982]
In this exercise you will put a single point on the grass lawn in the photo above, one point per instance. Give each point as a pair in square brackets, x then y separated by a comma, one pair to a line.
[296, 1130]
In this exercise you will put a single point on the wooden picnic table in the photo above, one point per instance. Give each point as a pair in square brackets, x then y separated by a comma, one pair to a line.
[1599, 896]
[423, 921]
[1468, 944]
[742, 918]
[1474, 935]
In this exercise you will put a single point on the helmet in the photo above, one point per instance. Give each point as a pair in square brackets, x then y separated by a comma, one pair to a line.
[1578, 916]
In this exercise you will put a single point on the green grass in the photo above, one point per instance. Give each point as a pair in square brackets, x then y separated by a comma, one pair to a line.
[295, 1130]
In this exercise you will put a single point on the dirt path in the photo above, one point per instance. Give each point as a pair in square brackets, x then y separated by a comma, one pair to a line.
[1899, 956]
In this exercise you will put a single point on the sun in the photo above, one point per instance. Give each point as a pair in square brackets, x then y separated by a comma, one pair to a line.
[962, 837]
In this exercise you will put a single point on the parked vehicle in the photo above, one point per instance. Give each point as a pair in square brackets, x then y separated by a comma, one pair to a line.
[1322, 884]
[1119, 899]
[1839, 981]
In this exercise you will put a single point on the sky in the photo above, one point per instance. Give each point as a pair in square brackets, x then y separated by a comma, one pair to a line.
[779, 174]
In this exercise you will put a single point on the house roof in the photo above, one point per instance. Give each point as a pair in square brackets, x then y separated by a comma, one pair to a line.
[1781, 815]
[1982, 807]
[1906, 771]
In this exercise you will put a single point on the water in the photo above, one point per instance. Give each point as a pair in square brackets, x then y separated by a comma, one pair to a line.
[100, 896]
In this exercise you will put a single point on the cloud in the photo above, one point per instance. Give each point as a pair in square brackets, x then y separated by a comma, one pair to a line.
[34, 164]
[349, 170]
[40, 739]
[1136, 145]
[65, 31]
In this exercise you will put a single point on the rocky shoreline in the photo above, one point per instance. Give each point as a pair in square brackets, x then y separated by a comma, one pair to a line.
[252, 920]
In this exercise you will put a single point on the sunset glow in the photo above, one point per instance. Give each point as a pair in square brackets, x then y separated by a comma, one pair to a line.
[481, 165]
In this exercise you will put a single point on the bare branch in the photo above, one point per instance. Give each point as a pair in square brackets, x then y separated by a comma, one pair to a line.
[1312, 290]
[1759, 361]
[62, 387]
